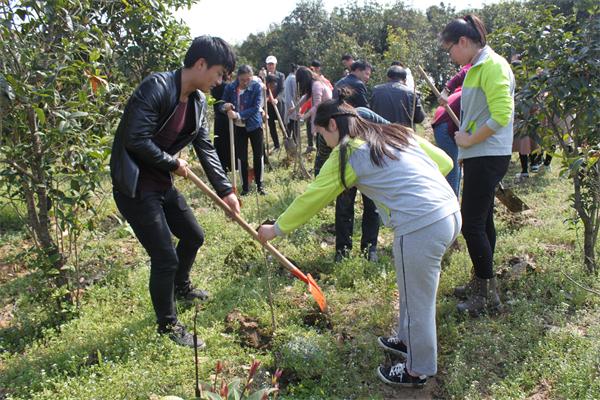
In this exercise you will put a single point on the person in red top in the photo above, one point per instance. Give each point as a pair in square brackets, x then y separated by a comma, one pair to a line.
[444, 128]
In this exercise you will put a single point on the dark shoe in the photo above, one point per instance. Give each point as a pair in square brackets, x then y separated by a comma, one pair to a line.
[244, 192]
[340, 255]
[372, 255]
[463, 292]
[180, 335]
[309, 150]
[261, 191]
[393, 345]
[484, 299]
[190, 293]
[397, 375]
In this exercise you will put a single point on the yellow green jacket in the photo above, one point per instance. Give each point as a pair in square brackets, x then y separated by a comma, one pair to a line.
[410, 192]
[488, 98]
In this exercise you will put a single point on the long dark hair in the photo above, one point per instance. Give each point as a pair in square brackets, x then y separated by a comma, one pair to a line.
[470, 26]
[381, 138]
[305, 78]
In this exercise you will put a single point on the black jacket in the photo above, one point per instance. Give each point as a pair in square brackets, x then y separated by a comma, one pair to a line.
[394, 102]
[146, 112]
[360, 97]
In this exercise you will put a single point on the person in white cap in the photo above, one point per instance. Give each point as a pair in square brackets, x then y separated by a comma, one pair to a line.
[273, 99]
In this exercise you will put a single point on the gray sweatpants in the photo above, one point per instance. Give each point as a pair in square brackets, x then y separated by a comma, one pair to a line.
[418, 257]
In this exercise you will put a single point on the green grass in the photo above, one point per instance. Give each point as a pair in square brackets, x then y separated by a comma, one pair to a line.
[548, 341]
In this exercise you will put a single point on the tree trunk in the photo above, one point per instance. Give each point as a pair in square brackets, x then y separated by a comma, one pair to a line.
[38, 211]
[589, 230]
[589, 250]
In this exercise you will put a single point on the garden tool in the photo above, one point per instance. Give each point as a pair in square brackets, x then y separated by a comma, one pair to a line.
[313, 288]
[287, 140]
[505, 195]
[265, 131]
[232, 154]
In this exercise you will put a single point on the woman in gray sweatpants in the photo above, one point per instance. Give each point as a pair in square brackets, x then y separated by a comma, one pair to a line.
[403, 175]
[418, 256]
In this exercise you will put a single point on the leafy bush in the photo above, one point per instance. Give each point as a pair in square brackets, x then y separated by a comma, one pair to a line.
[305, 355]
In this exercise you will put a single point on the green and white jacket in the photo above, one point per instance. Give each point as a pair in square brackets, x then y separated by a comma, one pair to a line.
[488, 98]
[410, 192]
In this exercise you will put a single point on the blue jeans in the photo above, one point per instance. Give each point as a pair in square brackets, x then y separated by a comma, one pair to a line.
[447, 143]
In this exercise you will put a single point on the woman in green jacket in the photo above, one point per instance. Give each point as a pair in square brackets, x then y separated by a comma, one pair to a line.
[484, 145]
[404, 176]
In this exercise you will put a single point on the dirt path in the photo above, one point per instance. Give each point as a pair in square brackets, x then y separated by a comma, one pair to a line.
[427, 393]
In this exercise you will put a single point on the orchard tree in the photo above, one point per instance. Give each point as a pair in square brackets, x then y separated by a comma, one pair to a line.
[67, 68]
[560, 78]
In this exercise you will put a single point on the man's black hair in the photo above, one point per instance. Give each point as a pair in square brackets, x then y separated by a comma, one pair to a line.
[213, 49]
[245, 69]
[347, 57]
[315, 63]
[396, 73]
[293, 67]
[397, 63]
[360, 66]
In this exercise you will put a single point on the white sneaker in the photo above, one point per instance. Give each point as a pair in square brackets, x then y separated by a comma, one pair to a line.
[522, 175]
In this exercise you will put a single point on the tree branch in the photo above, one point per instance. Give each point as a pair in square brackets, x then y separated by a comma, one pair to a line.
[19, 168]
[580, 285]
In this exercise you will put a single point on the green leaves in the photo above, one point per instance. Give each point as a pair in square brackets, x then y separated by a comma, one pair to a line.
[41, 116]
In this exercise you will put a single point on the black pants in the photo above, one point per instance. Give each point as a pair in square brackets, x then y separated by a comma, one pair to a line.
[221, 142]
[241, 150]
[273, 124]
[481, 176]
[309, 133]
[323, 152]
[344, 222]
[153, 216]
[291, 127]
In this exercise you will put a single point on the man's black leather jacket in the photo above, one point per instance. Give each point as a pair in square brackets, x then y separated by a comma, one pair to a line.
[146, 112]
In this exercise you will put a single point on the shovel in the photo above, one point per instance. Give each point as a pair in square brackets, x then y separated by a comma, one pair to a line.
[510, 200]
[232, 155]
[281, 124]
[313, 288]
[505, 195]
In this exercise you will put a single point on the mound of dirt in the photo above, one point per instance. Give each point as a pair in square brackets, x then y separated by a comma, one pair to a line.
[248, 330]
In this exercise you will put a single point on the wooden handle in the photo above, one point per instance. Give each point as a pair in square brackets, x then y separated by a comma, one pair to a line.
[437, 94]
[279, 116]
[280, 257]
[232, 153]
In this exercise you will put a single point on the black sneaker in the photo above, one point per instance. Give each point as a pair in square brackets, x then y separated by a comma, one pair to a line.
[190, 293]
[396, 375]
[340, 255]
[372, 256]
[180, 335]
[393, 345]
[261, 191]
[245, 192]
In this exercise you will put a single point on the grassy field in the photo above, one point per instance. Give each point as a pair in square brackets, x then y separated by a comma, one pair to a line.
[546, 345]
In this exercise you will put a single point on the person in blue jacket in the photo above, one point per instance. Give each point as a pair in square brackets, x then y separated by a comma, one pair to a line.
[243, 99]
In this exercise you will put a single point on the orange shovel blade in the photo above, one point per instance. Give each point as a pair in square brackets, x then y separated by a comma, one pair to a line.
[317, 293]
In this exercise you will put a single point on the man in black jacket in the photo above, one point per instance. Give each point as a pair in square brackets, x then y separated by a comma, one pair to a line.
[360, 73]
[395, 101]
[164, 114]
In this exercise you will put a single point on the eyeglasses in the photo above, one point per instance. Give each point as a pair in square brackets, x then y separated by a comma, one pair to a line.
[450, 48]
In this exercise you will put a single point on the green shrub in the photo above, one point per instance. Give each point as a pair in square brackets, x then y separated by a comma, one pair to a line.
[305, 355]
